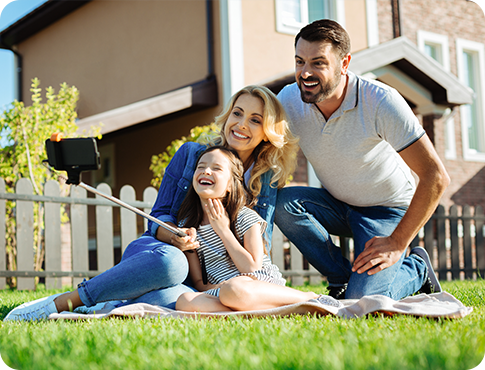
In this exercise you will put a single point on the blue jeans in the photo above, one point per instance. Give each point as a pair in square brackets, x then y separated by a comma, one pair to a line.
[150, 271]
[307, 216]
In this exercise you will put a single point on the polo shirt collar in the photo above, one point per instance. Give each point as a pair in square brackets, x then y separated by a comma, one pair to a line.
[351, 97]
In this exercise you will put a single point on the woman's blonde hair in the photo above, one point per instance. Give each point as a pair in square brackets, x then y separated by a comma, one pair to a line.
[279, 152]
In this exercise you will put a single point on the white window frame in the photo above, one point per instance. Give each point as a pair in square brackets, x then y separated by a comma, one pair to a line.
[292, 27]
[435, 39]
[443, 48]
[479, 50]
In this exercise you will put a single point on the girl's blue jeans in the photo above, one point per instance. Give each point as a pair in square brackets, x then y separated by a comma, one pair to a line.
[307, 216]
[150, 271]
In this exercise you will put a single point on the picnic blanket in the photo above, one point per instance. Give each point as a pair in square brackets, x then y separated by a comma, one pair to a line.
[437, 305]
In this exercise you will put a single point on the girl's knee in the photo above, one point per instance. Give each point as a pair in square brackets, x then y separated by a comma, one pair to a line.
[236, 293]
[184, 302]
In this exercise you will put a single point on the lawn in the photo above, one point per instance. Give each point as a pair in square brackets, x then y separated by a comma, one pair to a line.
[299, 342]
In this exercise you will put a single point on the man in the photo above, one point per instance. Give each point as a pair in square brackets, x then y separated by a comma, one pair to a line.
[362, 139]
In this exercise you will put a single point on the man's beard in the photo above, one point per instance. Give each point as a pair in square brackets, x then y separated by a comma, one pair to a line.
[325, 89]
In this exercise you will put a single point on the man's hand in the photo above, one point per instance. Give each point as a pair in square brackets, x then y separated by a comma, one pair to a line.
[185, 243]
[379, 253]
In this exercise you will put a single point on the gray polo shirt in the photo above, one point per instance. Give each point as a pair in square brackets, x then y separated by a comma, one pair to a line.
[355, 153]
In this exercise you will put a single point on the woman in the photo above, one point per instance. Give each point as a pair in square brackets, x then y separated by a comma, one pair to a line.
[153, 267]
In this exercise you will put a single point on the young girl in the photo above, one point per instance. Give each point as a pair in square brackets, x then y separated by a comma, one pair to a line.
[230, 268]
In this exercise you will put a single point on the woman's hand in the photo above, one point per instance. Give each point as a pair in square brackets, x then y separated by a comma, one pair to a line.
[217, 214]
[186, 243]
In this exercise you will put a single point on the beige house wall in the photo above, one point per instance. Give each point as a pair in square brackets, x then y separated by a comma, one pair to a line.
[120, 52]
[356, 24]
[267, 53]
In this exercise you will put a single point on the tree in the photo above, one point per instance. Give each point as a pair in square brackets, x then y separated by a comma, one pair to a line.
[25, 129]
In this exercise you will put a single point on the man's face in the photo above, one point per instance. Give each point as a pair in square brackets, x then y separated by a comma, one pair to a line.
[318, 70]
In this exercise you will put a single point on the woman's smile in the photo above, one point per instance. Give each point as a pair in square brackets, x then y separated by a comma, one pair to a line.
[244, 127]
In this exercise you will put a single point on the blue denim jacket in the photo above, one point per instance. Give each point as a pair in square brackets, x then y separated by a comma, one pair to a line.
[176, 183]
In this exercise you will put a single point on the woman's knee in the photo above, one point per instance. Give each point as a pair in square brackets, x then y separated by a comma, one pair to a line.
[166, 262]
[142, 244]
[172, 262]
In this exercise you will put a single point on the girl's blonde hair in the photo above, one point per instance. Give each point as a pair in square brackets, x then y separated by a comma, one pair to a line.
[279, 152]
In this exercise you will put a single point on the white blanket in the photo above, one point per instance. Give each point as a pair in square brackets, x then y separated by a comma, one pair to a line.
[437, 305]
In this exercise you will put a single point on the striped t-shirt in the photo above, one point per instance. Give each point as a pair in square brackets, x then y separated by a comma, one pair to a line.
[218, 263]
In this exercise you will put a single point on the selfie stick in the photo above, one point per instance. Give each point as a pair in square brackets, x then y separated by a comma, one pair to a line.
[122, 204]
[74, 163]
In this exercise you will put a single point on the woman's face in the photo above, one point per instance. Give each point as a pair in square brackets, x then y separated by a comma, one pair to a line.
[244, 127]
[212, 176]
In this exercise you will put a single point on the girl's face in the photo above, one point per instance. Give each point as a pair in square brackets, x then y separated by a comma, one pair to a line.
[212, 176]
[244, 127]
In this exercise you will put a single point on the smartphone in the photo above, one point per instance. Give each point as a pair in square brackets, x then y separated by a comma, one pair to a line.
[74, 156]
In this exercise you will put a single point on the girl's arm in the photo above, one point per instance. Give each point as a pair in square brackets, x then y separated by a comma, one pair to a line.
[183, 243]
[248, 258]
[195, 272]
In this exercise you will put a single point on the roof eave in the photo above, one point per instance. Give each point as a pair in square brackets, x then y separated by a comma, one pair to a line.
[400, 52]
[40, 18]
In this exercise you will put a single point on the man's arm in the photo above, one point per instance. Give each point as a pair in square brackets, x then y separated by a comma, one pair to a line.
[382, 252]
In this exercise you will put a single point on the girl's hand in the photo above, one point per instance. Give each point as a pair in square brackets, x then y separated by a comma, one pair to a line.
[186, 243]
[218, 217]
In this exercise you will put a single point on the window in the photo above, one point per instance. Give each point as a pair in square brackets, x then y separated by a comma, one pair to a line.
[292, 15]
[436, 47]
[471, 72]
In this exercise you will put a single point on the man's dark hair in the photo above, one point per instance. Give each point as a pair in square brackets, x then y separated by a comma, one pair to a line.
[326, 30]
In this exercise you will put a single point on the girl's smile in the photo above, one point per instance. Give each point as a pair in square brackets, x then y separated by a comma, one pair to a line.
[212, 175]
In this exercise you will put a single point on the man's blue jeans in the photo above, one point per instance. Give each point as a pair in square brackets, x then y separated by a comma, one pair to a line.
[150, 272]
[307, 216]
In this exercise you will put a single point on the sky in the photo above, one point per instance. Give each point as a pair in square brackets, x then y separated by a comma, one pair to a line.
[10, 12]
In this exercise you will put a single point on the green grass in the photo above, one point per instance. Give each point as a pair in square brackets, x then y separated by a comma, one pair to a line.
[299, 342]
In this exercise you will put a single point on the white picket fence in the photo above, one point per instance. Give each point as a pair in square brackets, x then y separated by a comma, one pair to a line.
[285, 255]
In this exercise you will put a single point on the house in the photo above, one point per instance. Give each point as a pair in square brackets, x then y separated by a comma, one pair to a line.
[152, 70]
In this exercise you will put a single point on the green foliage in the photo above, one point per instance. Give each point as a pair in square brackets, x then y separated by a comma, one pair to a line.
[201, 134]
[24, 131]
[296, 342]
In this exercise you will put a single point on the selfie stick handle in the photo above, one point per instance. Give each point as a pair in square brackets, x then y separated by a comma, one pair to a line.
[133, 209]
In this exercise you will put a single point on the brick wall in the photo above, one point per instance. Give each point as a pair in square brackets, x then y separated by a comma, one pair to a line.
[456, 19]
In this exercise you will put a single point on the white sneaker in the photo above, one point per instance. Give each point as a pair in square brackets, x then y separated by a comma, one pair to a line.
[34, 310]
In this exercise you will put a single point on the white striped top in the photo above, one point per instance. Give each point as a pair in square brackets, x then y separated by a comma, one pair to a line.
[219, 264]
